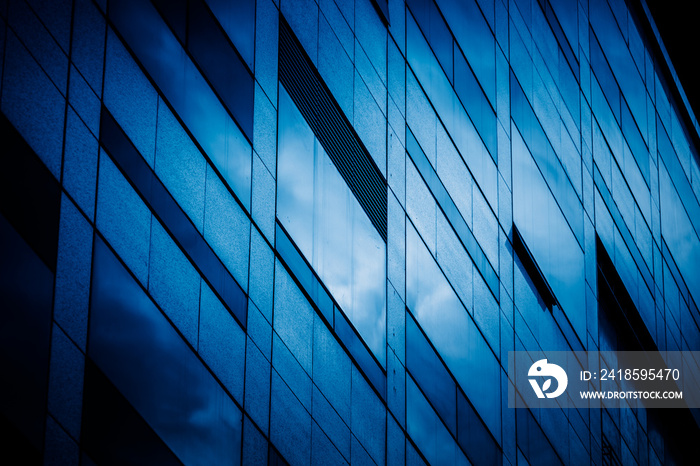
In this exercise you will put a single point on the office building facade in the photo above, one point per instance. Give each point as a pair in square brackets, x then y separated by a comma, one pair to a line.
[310, 231]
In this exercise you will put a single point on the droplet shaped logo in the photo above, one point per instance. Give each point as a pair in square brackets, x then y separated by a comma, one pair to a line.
[542, 369]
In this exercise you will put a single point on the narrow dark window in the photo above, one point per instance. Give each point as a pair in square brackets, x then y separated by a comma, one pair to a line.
[533, 270]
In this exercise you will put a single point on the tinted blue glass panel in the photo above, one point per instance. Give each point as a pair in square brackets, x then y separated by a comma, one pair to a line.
[679, 234]
[567, 15]
[615, 47]
[227, 228]
[262, 261]
[527, 297]
[238, 20]
[123, 218]
[174, 283]
[72, 288]
[332, 376]
[535, 445]
[293, 318]
[536, 327]
[548, 236]
[446, 102]
[632, 243]
[608, 127]
[174, 219]
[287, 367]
[547, 160]
[56, 16]
[130, 97]
[436, 32]
[453, 214]
[453, 332]
[175, 14]
[80, 163]
[202, 112]
[474, 36]
[254, 444]
[371, 35]
[175, 156]
[32, 103]
[635, 141]
[430, 374]
[40, 44]
[368, 419]
[87, 49]
[442, 43]
[221, 65]
[302, 271]
[473, 435]
[429, 433]
[359, 352]
[321, 214]
[150, 364]
[474, 100]
[605, 77]
[257, 385]
[322, 450]
[84, 101]
[675, 170]
[290, 424]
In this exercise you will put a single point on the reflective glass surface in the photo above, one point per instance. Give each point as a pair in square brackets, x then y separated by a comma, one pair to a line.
[679, 234]
[330, 228]
[429, 432]
[458, 124]
[430, 374]
[475, 37]
[172, 70]
[152, 366]
[451, 329]
[548, 236]
[238, 20]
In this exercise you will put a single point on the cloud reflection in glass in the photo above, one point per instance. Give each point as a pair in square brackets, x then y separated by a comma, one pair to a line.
[326, 221]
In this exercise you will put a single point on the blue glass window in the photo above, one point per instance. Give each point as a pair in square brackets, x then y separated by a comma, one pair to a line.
[200, 109]
[430, 374]
[238, 20]
[478, 128]
[473, 34]
[546, 158]
[159, 200]
[323, 217]
[679, 233]
[548, 236]
[429, 433]
[152, 366]
[447, 324]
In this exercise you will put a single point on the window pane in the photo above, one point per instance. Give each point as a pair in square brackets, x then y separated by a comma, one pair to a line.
[453, 332]
[548, 235]
[151, 365]
[330, 227]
